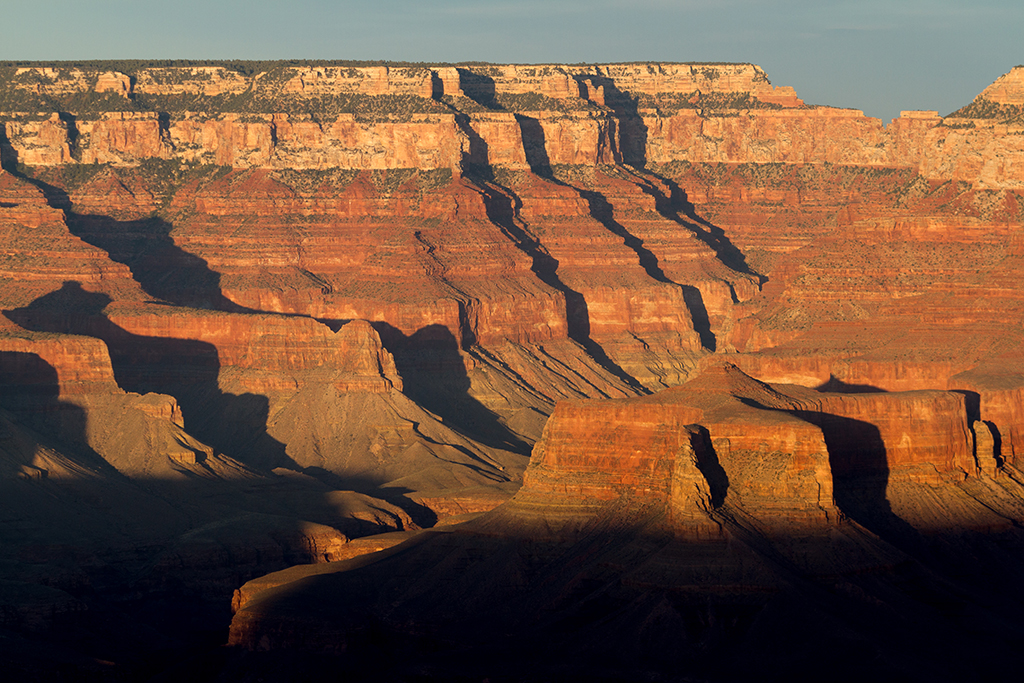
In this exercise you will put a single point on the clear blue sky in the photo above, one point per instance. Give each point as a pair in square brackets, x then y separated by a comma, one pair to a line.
[877, 55]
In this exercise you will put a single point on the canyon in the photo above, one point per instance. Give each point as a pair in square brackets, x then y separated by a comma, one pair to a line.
[448, 363]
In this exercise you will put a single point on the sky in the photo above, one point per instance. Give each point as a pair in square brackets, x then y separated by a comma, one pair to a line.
[880, 56]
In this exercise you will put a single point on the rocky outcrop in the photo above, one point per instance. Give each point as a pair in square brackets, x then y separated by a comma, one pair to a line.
[776, 452]
[926, 433]
[1008, 89]
[274, 345]
[720, 487]
[65, 385]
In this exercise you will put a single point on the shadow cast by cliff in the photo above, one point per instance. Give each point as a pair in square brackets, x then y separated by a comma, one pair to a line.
[633, 134]
[8, 155]
[601, 210]
[164, 270]
[186, 369]
[502, 207]
[834, 385]
[434, 375]
[709, 465]
[30, 390]
[480, 88]
[859, 463]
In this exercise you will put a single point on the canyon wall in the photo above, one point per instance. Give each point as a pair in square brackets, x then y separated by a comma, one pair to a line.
[345, 299]
[718, 497]
[625, 218]
[622, 219]
[431, 118]
[778, 452]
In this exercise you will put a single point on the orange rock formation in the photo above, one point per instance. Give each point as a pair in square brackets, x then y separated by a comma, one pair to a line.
[738, 492]
[367, 288]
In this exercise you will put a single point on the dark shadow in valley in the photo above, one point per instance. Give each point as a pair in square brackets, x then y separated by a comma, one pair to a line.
[859, 463]
[70, 122]
[623, 600]
[699, 315]
[834, 385]
[480, 88]
[434, 375]
[151, 564]
[186, 369]
[502, 207]
[420, 514]
[475, 160]
[676, 207]
[707, 232]
[972, 404]
[601, 210]
[30, 391]
[163, 269]
[632, 129]
[709, 465]
[8, 155]
[633, 136]
[972, 407]
[997, 442]
[858, 460]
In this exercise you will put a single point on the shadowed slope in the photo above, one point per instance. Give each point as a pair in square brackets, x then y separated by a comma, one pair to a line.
[642, 544]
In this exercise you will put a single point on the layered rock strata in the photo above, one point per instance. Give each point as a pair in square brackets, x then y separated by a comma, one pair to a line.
[698, 114]
[721, 496]
[360, 291]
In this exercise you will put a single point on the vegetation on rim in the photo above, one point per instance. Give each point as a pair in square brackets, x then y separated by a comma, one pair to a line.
[982, 108]
[673, 102]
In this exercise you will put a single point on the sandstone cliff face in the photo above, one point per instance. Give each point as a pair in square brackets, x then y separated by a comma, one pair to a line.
[65, 385]
[770, 126]
[278, 345]
[1007, 89]
[840, 136]
[518, 158]
[774, 463]
[788, 457]
[927, 434]
[625, 500]
[81, 365]
[320, 278]
[39, 252]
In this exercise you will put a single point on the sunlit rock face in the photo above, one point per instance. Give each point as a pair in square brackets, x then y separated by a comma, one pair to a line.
[252, 312]
[752, 508]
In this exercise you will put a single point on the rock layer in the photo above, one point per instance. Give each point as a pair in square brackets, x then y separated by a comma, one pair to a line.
[698, 114]
[718, 492]
[319, 301]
